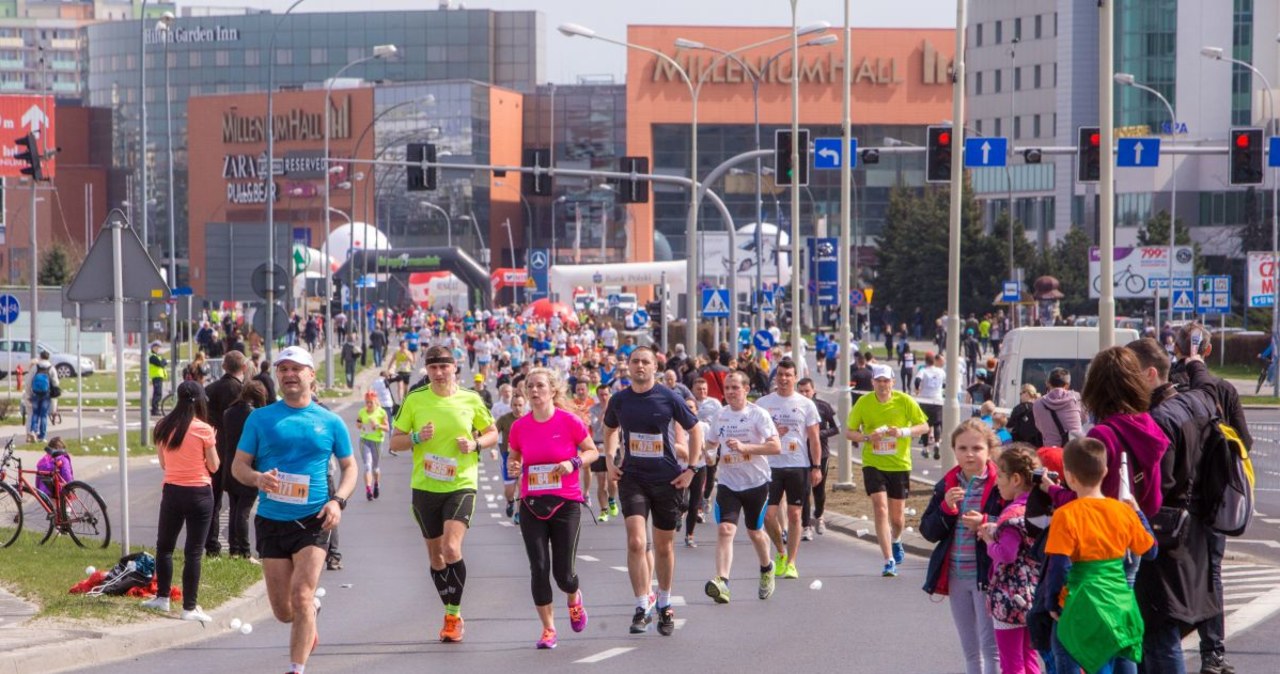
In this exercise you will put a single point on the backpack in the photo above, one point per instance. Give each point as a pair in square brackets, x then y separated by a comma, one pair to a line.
[1224, 484]
[40, 383]
[135, 570]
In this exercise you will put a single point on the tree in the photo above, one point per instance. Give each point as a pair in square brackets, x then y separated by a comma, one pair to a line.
[1068, 261]
[56, 266]
[1155, 232]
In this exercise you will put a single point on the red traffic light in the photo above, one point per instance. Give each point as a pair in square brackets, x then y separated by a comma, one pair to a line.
[1095, 139]
[1242, 140]
[944, 138]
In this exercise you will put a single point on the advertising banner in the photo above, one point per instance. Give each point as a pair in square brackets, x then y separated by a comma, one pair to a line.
[1139, 271]
[824, 269]
[18, 116]
[1261, 275]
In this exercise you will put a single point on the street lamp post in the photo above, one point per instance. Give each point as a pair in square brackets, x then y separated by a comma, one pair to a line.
[448, 223]
[165, 24]
[1127, 79]
[1217, 54]
[796, 337]
[382, 51]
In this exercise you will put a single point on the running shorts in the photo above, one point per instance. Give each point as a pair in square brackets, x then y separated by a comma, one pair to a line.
[282, 539]
[750, 503]
[432, 509]
[657, 498]
[794, 482]
[896, 482]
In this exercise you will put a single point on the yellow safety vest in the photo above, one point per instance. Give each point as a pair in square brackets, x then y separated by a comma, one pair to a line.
[155, 371]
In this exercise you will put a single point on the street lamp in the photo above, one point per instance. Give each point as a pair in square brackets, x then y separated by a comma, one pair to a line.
[1128, 80]
[165, 24]
[448, 224]
[528, 210]
[382, 51]
[1216, 54]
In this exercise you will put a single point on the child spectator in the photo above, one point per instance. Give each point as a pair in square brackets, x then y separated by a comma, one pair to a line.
[963, 501]
[1014, 571]
[1097, 616]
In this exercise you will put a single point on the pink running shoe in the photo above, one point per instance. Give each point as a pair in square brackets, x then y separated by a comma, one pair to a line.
[578, 614]
[548, 640]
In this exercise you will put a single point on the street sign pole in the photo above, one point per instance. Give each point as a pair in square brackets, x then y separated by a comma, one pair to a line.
[117, 303]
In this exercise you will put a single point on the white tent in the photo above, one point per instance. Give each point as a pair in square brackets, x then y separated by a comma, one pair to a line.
[564, 278]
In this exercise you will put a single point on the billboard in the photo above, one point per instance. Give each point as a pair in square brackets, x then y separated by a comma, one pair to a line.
[715, 255]
[18, 116]
[1139, 271]
[1261, 276]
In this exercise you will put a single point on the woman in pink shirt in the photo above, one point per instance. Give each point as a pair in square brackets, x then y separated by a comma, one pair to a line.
[548, 447]
[185, 445]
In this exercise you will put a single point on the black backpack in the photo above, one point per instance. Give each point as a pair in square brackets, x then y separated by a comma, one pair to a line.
[1223, 491]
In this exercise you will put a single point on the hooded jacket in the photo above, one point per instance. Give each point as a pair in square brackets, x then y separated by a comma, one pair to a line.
[1065, 403]
[939, 523]
[1140, 435]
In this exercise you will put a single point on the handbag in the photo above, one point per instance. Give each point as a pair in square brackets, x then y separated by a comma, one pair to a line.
[1169, 526]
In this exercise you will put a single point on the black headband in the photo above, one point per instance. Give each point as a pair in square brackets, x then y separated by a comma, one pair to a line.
[441, 360]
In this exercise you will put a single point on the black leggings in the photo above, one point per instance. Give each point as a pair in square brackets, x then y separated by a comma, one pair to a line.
[179, 506]
[819, 498]
[552, 545]
[695, 500]
[240, 505]
[708, 482]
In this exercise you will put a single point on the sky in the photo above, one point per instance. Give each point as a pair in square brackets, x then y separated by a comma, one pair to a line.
[570, 58]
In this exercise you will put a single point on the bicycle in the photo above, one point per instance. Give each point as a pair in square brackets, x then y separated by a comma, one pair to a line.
[1134, 283]
[1265, 375]
[75, 508]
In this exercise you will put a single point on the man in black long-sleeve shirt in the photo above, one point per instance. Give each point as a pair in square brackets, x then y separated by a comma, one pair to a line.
[827, 427]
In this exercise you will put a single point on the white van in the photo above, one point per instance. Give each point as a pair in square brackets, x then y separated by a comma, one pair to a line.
[1027, 355]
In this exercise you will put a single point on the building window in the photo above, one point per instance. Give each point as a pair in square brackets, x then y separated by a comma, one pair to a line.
[222, 57]
[1039, 27]
[1055, 24]
[999, 83]
[998, 127]
[1035, 126]
[1017, 127]
[1017, 29]
[1035, 75]
[284, 57]
[977, 126]
[319, 55]
[193, 59]
[1017, 79]
[252, 57]
[977, 82]
[978, 41]
[999, 32]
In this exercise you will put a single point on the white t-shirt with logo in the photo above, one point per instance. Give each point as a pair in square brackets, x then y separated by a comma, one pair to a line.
[795, 414]
[750, 425]
[932, 379]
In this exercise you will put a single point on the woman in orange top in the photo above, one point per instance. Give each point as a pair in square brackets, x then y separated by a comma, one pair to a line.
[185, 445]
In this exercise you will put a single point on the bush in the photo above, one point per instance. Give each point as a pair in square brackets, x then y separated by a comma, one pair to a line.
[1243, 349]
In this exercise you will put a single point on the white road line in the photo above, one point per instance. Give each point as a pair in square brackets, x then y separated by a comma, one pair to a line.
[680, 623]
[1254, 584]
[587, 558]
[1269, 544]
[1245, 595]
[1252, 613]
[1250, 576]
[603, 655]
[495, 515]
[489, 497]
[507, 523]
[491, 505]
[619, 568]
[677, 600]
[1271, 520]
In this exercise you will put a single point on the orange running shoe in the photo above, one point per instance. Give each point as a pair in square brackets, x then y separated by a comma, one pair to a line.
[453, 629]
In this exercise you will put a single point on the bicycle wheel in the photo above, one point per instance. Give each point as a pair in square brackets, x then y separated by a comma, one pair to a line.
[10, 515]
[1135, 284]
[86, 515]
[166, 404]
[39, 508]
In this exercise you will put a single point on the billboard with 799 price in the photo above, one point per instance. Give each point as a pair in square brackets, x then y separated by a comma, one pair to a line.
[1139, 271]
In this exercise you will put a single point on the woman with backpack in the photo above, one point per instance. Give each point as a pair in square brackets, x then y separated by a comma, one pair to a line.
[198, 370]
[241, 497]
[186, 447]
[42, 388]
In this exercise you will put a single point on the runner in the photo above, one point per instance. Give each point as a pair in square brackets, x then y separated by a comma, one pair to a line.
[742, 434]
[827, 428]
[606, 489]
[504, 424]
[639, 417]
[547, 450]
[445, 426]
[581, 406]
[708, 408]
[284, 451]
[797, 468]
[372, 423]
[402, 366]
[929, 385]
[885, 423]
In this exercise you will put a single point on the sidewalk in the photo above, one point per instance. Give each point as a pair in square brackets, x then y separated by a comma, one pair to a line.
[58, 646]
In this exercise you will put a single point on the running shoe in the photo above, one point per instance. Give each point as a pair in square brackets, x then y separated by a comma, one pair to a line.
[578, 614]
[604, 517]
[157, 603]
[640, 621]
[511, 508]
[453, 629]
[780, 562]
[899, 553]
[790, 571]
[767, 583]
[666, 621]
[890, 570]
[613, 508]
[702, 517]
[515, 519]
[196, 614]
[924, 453]
[377, 493]
[807, 534]
[820, 527]
[548, 640]
[689, 542]
[718, 590]
[368, 493]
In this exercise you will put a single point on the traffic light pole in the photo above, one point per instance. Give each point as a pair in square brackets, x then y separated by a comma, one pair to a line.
[1107, 185]
[951, 394]
[35, 275]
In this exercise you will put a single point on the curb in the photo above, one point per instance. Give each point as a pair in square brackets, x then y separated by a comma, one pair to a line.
[864, 530]
[80, 648]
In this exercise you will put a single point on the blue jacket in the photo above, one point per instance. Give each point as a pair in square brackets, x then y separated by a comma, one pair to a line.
[939, 523]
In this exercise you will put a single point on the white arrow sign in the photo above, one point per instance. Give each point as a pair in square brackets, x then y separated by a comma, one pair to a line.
[35, 118]
[1137, 153]
[986, 153]
[832, 154]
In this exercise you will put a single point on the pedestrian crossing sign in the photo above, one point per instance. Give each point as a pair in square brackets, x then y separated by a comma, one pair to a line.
[715, 303]
[1184, 300]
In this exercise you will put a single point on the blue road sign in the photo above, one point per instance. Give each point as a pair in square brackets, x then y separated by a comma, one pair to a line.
[980, 152]
[638, 319]
[182, 291]
[765, 300]
[614, 299]
[762, 340]
[9, 309]
[1012, 292]
[1184, 301]
[824, 270]
[1213, 294]
[715, 303]
[1138, 153]
[539, 271]
[1273, 152]
[827, 155]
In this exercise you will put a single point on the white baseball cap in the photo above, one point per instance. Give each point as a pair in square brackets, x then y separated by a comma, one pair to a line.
[295, 354]
[877, 372]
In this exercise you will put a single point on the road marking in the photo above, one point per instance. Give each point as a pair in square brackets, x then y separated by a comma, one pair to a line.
[587, 558]
[495, 515]
[491, 504]
[507, 523]
[1271, 520]
[680, 623]
[1269, 544]
[1245, 595]
[603, 655]
[677, 600]
[1251, 576]
[489, 497]
[1241, 572]
[619, 568]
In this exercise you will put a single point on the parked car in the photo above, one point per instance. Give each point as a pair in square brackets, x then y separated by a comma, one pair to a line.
[15, 352]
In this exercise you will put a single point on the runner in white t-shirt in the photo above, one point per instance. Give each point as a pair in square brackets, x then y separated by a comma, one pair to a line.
[797, 468]
[741, 435]
[929, 386]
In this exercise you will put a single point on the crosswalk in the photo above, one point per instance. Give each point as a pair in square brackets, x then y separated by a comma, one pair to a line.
[1242, 583]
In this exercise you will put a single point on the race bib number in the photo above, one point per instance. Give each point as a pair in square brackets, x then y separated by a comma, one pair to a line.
[543, 478]
[439, 467]
[885, 447]
[731, 458]
[293, 488]
[645, 445]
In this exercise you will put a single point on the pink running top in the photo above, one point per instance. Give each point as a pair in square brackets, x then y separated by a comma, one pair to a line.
[544, 444]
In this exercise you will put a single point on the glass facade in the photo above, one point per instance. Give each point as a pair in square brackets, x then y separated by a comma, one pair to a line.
[227, 54]
[1242, 50]
[1146, 47]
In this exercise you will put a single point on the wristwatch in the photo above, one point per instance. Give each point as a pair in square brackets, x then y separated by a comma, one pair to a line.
[342, 502]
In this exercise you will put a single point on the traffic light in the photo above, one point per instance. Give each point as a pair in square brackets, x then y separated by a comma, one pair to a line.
[1032, 156]
[937, 155]
[870, 156]
[536, 184]
[30, 156]
[633, 191]
[1089, 154]
[420, 179]
[784, 172]
[1246, 156]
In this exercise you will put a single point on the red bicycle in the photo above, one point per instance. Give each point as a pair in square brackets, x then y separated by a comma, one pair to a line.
[75, 508]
